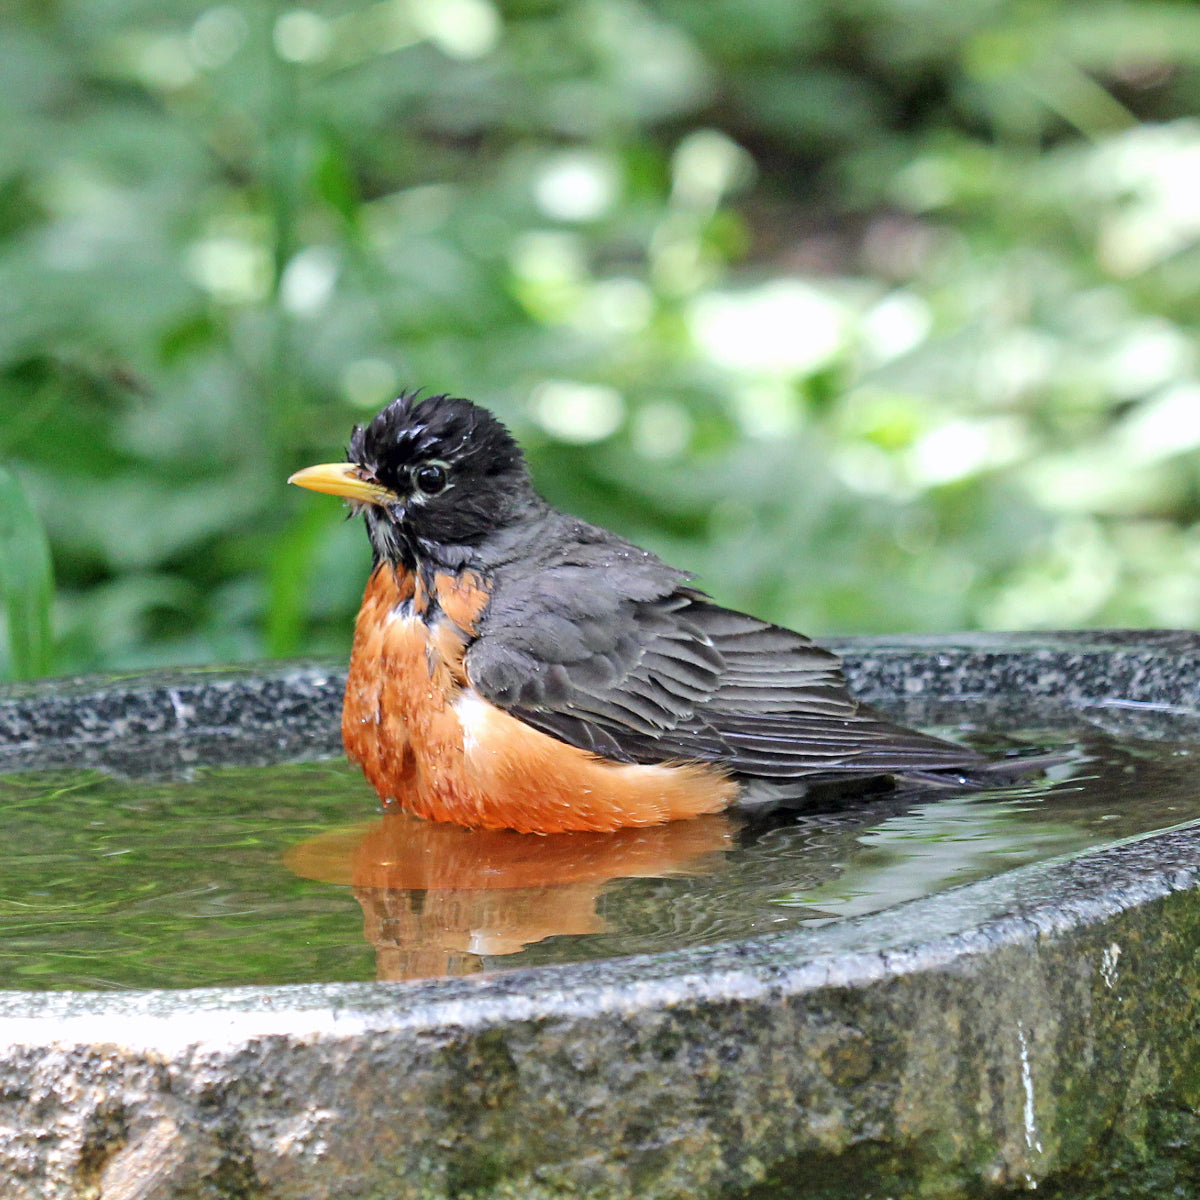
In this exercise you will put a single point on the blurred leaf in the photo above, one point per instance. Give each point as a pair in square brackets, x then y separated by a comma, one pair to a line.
[26, 581]
[217, 256]
[289, 574]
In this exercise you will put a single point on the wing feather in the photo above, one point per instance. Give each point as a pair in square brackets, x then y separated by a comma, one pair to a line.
[630, 663]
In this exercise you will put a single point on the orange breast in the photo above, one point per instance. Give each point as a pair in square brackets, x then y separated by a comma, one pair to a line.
[430, 743]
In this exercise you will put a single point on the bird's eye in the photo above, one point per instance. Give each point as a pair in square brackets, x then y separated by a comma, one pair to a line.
[431, 478]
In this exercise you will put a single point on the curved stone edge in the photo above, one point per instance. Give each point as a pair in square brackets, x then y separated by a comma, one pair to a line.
[964, 1058]
[1157, 667]
[255, 701]
[736, 1070]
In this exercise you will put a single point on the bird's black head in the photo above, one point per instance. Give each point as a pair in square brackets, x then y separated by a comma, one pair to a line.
[447, 474]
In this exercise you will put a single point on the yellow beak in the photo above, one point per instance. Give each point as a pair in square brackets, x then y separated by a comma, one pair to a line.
[343, 479]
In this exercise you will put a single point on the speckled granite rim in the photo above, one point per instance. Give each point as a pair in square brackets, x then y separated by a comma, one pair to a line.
[984, 1038]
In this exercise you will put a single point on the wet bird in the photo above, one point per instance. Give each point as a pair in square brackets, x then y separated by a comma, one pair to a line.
[515, 667]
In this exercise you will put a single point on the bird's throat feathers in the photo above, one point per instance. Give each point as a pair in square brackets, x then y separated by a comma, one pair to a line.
[429, 595]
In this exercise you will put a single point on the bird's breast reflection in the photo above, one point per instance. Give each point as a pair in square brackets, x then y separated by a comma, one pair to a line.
[439, 899]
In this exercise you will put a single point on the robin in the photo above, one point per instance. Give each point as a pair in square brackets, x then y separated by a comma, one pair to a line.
[514, 667]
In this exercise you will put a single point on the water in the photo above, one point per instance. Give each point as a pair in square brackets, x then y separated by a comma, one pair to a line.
[289, 874]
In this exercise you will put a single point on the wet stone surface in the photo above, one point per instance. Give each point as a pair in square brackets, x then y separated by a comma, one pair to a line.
[1032, 1027]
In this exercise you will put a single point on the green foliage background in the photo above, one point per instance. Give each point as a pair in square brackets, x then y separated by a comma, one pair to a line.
[877, 314]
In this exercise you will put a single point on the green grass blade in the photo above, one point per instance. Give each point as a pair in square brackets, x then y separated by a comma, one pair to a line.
[26, 581]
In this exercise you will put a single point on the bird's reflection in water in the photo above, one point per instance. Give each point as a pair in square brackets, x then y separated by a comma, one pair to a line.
[437, 898]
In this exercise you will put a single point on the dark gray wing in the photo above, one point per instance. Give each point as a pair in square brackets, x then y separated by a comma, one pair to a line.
[616, 655]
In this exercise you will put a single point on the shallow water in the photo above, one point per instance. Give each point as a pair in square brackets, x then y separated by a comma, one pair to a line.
[289, 874]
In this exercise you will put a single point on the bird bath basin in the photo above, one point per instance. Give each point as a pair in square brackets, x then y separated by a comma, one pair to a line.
[934, 995]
